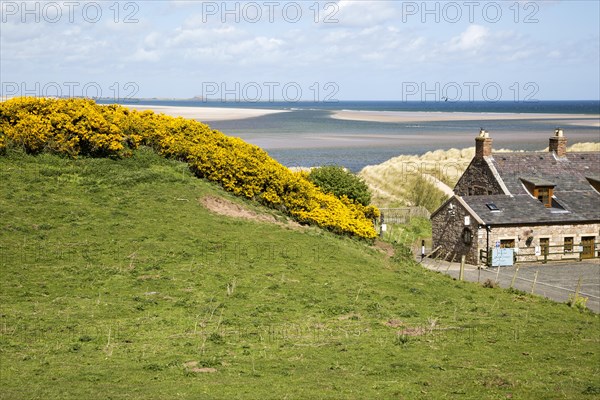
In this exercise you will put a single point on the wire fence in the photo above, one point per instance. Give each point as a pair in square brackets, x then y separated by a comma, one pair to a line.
[576, 282]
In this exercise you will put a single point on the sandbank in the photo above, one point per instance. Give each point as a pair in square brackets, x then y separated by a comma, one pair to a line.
[207, 113]
[592, 120]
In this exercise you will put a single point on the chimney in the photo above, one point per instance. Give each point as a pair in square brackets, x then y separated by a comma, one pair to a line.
[558, 143]
[483, 144]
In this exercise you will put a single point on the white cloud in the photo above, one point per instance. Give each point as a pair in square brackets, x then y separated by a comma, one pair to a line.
[472, 39]
[146, 55]
[183, 37]
[172, 40]
[359, 12]
[222, 44]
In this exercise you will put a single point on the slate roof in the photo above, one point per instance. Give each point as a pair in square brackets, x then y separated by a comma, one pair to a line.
[567, 173]
[537, 181]
[574, 197]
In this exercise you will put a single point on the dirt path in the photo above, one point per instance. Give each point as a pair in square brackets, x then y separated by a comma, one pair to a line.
[440, 185]
[221, 206]
[385, 247]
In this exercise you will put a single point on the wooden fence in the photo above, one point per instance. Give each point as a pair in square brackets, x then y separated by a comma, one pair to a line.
[544, 254]
[402, 215]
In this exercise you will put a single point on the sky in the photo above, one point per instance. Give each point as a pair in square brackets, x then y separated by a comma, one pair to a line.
[302, 50]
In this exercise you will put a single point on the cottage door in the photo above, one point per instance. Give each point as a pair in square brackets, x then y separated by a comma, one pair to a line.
[507, 243]
[588, 243]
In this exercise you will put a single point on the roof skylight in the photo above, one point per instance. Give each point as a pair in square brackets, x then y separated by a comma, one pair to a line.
[492, 206]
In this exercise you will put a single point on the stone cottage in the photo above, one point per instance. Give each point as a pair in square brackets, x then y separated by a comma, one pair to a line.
[545, 206]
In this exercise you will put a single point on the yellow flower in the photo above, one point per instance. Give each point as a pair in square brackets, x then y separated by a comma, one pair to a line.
[81, 127]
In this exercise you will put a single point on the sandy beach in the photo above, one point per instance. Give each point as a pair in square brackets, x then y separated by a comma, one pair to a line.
[381, 142]
[592, 120]
[207, 114]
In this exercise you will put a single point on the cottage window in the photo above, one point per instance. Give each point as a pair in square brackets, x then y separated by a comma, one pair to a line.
[568, 245]
[467, 236]
[541, 189]
[507, 243]
[544, 194]
[545, 245]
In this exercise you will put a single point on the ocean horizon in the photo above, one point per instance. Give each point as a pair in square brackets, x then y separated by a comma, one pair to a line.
[503, 106]
[307, 135]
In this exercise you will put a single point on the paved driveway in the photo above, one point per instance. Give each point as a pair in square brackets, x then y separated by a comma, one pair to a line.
[555, 281]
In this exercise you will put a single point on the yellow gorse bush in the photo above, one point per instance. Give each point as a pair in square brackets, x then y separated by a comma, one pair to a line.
[76, 127]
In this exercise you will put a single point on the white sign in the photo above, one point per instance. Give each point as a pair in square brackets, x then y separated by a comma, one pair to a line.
[498, 244]
[467, 220]
[383, 227]
[538, 251]
[502, 257]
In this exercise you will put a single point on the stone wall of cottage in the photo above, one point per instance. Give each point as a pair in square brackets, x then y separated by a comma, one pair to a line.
[448, 226]
[555, 233]
[479, 178]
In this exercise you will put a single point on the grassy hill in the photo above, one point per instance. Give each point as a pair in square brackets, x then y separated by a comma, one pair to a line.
[117, 283]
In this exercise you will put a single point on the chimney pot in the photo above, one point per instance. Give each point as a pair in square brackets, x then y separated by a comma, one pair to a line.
[483, 144]
[558, 143]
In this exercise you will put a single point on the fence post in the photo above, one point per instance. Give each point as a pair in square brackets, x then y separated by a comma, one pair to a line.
[437, 261]
[534, 281]
[450, 263]
[461, 275]
[512, 283]
[497, 273]
[578, 288]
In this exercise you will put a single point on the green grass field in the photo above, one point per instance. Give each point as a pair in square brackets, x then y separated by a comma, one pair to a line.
[116, 283]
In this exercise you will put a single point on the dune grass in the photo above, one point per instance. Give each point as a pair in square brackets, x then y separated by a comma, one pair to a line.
[117, 283]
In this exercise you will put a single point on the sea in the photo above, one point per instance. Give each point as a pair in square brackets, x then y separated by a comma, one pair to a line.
[307, 135]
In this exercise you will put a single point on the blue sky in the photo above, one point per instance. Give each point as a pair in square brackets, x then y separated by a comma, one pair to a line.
[281, 50]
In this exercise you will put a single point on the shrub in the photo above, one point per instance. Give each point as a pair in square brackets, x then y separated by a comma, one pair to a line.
[79, 127]
[424, 193]
[341, 182]
[577, 302]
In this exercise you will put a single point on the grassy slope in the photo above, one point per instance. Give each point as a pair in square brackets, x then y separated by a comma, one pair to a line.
[113, 276]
